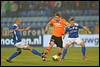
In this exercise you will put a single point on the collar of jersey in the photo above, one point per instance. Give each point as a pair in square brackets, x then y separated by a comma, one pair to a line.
[15, 25]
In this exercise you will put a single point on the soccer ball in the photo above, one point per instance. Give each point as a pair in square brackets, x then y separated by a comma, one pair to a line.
[56, 57]
[43, 59]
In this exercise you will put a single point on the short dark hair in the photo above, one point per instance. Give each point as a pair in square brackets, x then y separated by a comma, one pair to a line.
[58, 14]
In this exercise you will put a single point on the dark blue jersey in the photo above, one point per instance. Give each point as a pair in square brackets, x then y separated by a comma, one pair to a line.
[16, 35]
[73, 30]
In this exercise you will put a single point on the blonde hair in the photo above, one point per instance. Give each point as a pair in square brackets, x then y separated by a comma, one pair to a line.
[71, 19]
[17, 20]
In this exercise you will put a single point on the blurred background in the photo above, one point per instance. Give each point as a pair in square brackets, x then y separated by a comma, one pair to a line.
[38, 13]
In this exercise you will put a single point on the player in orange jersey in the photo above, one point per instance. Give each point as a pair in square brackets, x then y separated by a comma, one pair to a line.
[59, 29]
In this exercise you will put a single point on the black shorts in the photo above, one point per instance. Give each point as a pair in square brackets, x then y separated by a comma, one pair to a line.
[57, 40]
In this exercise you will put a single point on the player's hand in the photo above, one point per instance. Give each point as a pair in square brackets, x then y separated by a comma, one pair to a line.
[89, 32]
[46, 30]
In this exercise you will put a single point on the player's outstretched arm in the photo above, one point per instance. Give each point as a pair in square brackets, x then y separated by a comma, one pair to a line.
[85, 28]
[47, 27]
[12, 30]
[25, 29]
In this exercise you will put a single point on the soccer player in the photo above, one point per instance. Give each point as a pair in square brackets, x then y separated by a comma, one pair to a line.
[73, 37]
[58, 24]
[16, 35]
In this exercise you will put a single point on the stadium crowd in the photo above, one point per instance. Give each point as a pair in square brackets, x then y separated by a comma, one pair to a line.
[88, 14]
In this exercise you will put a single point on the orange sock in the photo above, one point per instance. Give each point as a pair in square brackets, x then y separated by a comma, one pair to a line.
[48, 50]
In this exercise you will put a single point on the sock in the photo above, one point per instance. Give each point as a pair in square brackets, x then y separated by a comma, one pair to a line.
[13, 56]
[64, 53]
[48, 49]
[83, 51]
[36, 52]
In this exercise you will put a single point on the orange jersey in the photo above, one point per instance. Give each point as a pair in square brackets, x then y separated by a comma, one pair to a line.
[59, 27]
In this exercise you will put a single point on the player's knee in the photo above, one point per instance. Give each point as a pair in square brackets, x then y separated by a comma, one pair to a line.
[51, 43]
[18, 52]
[27, 47]
[82, 44]
[67, 45]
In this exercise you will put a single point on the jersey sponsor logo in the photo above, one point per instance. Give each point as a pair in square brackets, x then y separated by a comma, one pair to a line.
[58, 25]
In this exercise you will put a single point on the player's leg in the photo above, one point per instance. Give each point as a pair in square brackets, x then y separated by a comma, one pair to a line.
[59, 50]
[18, 52]
[47, 50]
[82, 44]
[33, 50]
[27, 47]
[59, 44]
[66, 46]
[83, 49]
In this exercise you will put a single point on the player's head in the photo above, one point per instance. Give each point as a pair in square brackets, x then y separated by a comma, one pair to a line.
[18, 21]
[71, 20]
[57, 16]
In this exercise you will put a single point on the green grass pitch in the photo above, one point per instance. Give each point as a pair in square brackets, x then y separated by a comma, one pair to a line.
[73, 58]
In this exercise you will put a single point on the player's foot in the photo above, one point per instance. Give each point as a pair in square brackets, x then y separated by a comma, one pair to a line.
[61, 60]
[44, 58]
[9, 61]
[84, 58]
[43, 55]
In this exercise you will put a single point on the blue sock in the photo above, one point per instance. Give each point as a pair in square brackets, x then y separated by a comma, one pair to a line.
[13, 56]
[36, 52]
[64, 53]
[83, 51]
